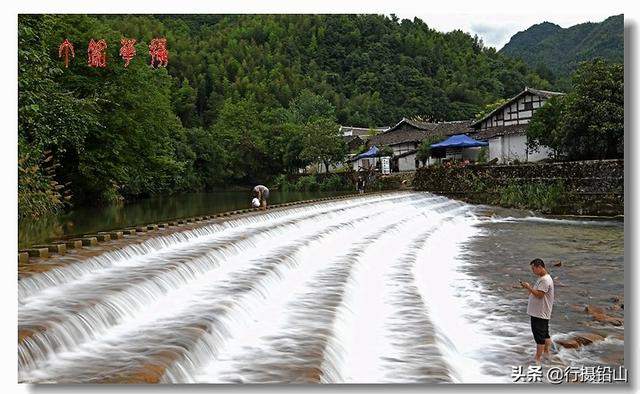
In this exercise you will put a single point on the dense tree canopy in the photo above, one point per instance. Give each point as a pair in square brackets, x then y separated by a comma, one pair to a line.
[241, 97]
[587, 123]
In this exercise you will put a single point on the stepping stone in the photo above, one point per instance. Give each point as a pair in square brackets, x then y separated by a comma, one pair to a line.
[89, 241]
[74, 244]
[23, 257]
[152, 227]
[116, 234]
[54, 248]
[100, 236]
[129, 231]
[141, 229]
[163, 225]
[38, 252]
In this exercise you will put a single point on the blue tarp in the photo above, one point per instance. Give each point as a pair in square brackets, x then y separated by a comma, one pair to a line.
[372, 152]
[459, 141]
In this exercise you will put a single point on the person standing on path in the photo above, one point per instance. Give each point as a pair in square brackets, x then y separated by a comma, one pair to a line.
[261, 192]
[539, 308]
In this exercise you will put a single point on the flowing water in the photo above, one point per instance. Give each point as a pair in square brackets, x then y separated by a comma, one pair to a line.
[404, 287]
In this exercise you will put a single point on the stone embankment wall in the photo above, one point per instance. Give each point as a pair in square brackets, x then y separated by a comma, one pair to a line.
[594, 187]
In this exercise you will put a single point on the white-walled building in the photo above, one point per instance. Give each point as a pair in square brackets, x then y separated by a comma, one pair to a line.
[505, 127]
[405, 137]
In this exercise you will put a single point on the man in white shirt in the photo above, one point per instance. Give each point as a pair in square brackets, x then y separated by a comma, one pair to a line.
[539, 307]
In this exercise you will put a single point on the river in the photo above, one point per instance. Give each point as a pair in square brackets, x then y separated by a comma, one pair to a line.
[404, 287]
[91, 219]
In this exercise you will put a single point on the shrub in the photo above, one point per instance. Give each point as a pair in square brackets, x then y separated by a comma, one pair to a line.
[483, 155]
[307, 183]
[537, 196]
[332, 183]
[38, 193]
[281, 183]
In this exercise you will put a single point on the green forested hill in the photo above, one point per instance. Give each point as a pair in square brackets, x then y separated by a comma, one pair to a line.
[220, 113]
[374, 69]
[547, 45]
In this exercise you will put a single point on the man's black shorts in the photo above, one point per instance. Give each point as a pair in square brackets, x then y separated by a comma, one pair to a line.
[540, 329]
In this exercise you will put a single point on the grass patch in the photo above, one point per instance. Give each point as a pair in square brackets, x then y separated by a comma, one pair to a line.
[537, 196]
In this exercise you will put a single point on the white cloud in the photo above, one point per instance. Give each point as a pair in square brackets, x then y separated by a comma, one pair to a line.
[493, 35]
[496, 29]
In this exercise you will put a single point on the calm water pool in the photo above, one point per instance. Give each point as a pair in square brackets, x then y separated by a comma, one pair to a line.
[84, 220]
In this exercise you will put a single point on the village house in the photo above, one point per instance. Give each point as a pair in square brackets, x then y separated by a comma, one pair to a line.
[363, 132]
[505, 127]
[353, 137]
[405, 137]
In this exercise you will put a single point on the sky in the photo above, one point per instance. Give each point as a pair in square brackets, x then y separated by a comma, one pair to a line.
[495, 21]
[496, 29]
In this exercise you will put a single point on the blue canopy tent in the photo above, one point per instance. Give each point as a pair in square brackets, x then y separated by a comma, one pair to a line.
[372, 152]
[459, 141]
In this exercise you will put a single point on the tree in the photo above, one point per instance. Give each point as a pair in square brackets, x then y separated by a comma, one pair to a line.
[184, 104]
[594, 120]
[588, 123]
[208, 156]
[240, 132]
[385, 151]
[308, 107]
[424, 149]
[546, 127]
[53, 122]
[323, 142]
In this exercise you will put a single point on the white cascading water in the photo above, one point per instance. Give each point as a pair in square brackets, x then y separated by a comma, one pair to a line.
[361, 290]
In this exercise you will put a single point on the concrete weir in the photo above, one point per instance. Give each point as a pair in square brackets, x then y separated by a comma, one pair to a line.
[36, 255]
[303, 292]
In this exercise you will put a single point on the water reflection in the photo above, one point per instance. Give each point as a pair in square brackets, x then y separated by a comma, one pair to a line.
[84, 220]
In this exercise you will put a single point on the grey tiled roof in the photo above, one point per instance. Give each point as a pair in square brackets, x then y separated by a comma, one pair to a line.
[408, 130]
[499, 130]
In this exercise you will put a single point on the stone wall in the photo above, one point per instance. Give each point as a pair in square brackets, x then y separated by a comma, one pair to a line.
[587, 187]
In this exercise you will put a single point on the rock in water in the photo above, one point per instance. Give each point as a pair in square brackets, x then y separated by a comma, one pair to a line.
[587, 338]
[579, 339]
[568, 343]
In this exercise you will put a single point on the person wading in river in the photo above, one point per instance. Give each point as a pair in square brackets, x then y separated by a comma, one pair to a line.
[539, 307]
[261, 193]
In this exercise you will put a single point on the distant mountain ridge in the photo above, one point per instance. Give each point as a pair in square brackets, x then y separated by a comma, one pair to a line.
[562, 49]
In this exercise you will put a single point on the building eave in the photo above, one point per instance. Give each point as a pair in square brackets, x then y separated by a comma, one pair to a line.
[539, 92]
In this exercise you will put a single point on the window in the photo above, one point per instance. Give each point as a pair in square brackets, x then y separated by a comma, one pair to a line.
[528, 106]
